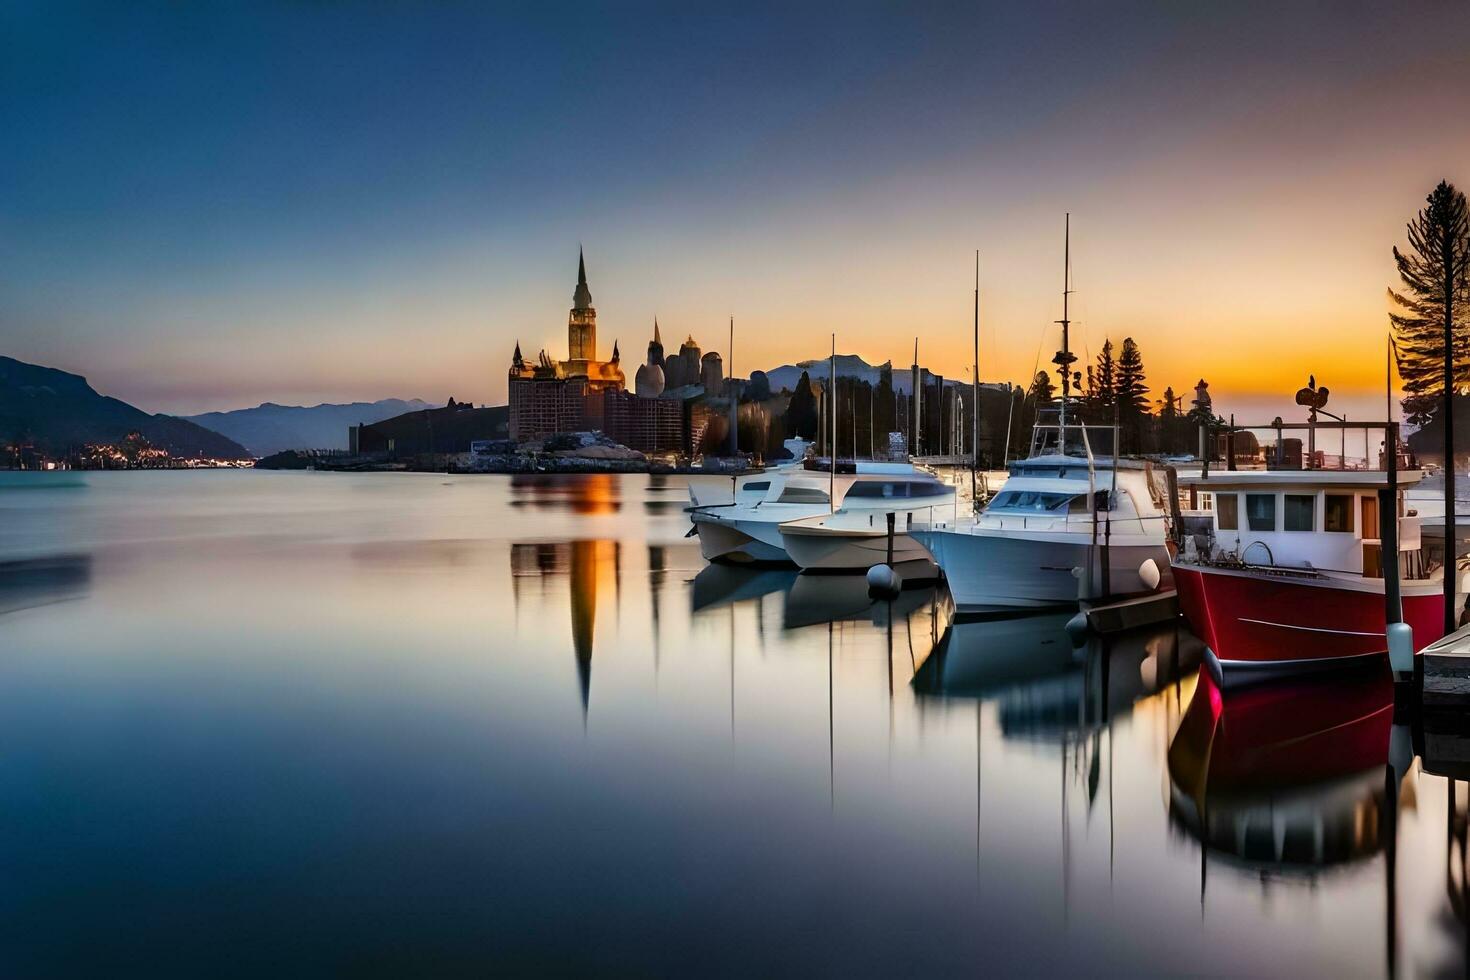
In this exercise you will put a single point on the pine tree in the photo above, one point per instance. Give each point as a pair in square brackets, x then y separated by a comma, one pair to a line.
[1169, 405]
[1435, 274]
[1131, 392]
[801, 413]
[1104, 383]
[1041, 390]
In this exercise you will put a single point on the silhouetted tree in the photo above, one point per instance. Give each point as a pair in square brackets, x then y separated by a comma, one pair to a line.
[801, 414]
[1129, 388]
[1102, 385]
[1434, 303]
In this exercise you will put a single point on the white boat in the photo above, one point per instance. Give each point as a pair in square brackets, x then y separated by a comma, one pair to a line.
[1066, 527]
[749, 529]
[1041, 541]
[854, 538]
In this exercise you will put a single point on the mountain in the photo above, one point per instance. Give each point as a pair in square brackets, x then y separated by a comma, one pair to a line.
[56, 411]
[853, 366]
[271, 428]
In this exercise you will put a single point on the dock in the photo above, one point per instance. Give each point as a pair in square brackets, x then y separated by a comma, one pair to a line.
[1446, 666]
[1118, 616]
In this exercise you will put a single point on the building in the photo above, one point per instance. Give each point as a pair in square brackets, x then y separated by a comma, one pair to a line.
[451, 429]
[649, 425]
[551, 396]
[649, 381]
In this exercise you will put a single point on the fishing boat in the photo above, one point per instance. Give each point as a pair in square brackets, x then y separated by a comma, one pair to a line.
[1288, 570]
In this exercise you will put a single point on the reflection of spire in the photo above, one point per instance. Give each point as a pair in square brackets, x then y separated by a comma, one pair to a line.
[657, 559]
[584, 613]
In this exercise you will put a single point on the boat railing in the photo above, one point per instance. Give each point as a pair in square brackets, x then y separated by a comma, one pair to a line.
[1336, 445]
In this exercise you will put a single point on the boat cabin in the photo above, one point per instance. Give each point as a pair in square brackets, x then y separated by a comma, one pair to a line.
[1278, 505]
[1063, 492]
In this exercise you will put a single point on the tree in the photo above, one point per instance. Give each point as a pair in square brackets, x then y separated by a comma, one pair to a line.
[1103, 383]
[1042, 393]
[1169, 405]
[1434, 303]
[801, 414]
[1129, 387]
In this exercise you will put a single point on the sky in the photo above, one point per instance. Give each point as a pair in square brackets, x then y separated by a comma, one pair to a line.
[204, 207]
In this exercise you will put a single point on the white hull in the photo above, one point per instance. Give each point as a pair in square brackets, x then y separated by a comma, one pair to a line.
[742, 540]
[992, 572]
[822, 549]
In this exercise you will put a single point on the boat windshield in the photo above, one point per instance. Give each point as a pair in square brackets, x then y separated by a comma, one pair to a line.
[802, 495]
[898, 488]
[1036, 502]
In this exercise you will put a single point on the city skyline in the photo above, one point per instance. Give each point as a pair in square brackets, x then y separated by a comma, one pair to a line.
[207, 209]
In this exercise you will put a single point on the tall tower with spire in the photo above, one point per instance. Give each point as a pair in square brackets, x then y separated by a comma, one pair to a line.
[582, 322]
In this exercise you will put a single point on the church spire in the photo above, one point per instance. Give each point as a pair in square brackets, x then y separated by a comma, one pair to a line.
[656, 338]
[582, 298]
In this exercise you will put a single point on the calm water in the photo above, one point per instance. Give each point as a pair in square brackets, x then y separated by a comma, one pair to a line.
[424, 725]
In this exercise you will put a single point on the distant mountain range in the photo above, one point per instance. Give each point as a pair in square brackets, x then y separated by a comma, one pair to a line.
[270, 428]
[853, 366]
[56, 411]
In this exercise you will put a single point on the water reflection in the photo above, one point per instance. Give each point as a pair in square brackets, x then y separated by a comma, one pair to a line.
[30, 582]
[258, 670]
[588, 566]
[586, 494]
[1286, 776]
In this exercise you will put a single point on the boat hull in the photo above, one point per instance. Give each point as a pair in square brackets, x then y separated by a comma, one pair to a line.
[998, 572]
[822, 549]
[1254, 622]
[740, 542]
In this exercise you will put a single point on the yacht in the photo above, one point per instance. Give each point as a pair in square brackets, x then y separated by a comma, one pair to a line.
[748, 529]
[1068, 526]
[855, 537]
[1064, 528]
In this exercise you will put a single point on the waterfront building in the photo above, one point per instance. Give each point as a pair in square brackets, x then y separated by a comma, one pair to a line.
[550, 396]
[649, 381]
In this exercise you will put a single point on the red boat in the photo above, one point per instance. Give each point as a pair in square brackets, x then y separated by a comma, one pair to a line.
[1283, 567]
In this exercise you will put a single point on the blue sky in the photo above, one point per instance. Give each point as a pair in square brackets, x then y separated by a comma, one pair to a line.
[207, 206]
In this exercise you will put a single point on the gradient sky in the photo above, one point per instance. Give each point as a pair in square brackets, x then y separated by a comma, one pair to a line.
[207, 206]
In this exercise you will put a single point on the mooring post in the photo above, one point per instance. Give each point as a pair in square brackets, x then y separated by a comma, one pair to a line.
[1400, 636]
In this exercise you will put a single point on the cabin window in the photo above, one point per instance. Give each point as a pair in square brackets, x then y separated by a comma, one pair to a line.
[1227, 511]
[802, 495]
[881, 488]
[1301, 512]
[755, 486]
[1337, 512]
[1031, 500]
[1260, 511]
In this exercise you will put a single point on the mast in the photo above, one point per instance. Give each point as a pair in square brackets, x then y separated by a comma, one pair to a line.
[734, 395]
[975, 393]
[832, 479]
[1064, 357]
[914, 402]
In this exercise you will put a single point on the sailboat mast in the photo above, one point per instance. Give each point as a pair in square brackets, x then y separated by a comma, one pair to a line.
[1064, 355]
[832, 479]
[975, 393]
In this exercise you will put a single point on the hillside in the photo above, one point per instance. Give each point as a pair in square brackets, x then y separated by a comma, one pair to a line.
[852, 366]
[56, 411]
[270, 428]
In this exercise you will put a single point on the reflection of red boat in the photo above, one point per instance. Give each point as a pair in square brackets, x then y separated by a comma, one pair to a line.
[1289, 773]
[1288, 570]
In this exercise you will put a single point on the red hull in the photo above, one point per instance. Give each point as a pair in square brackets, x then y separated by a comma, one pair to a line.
[1255, 619]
